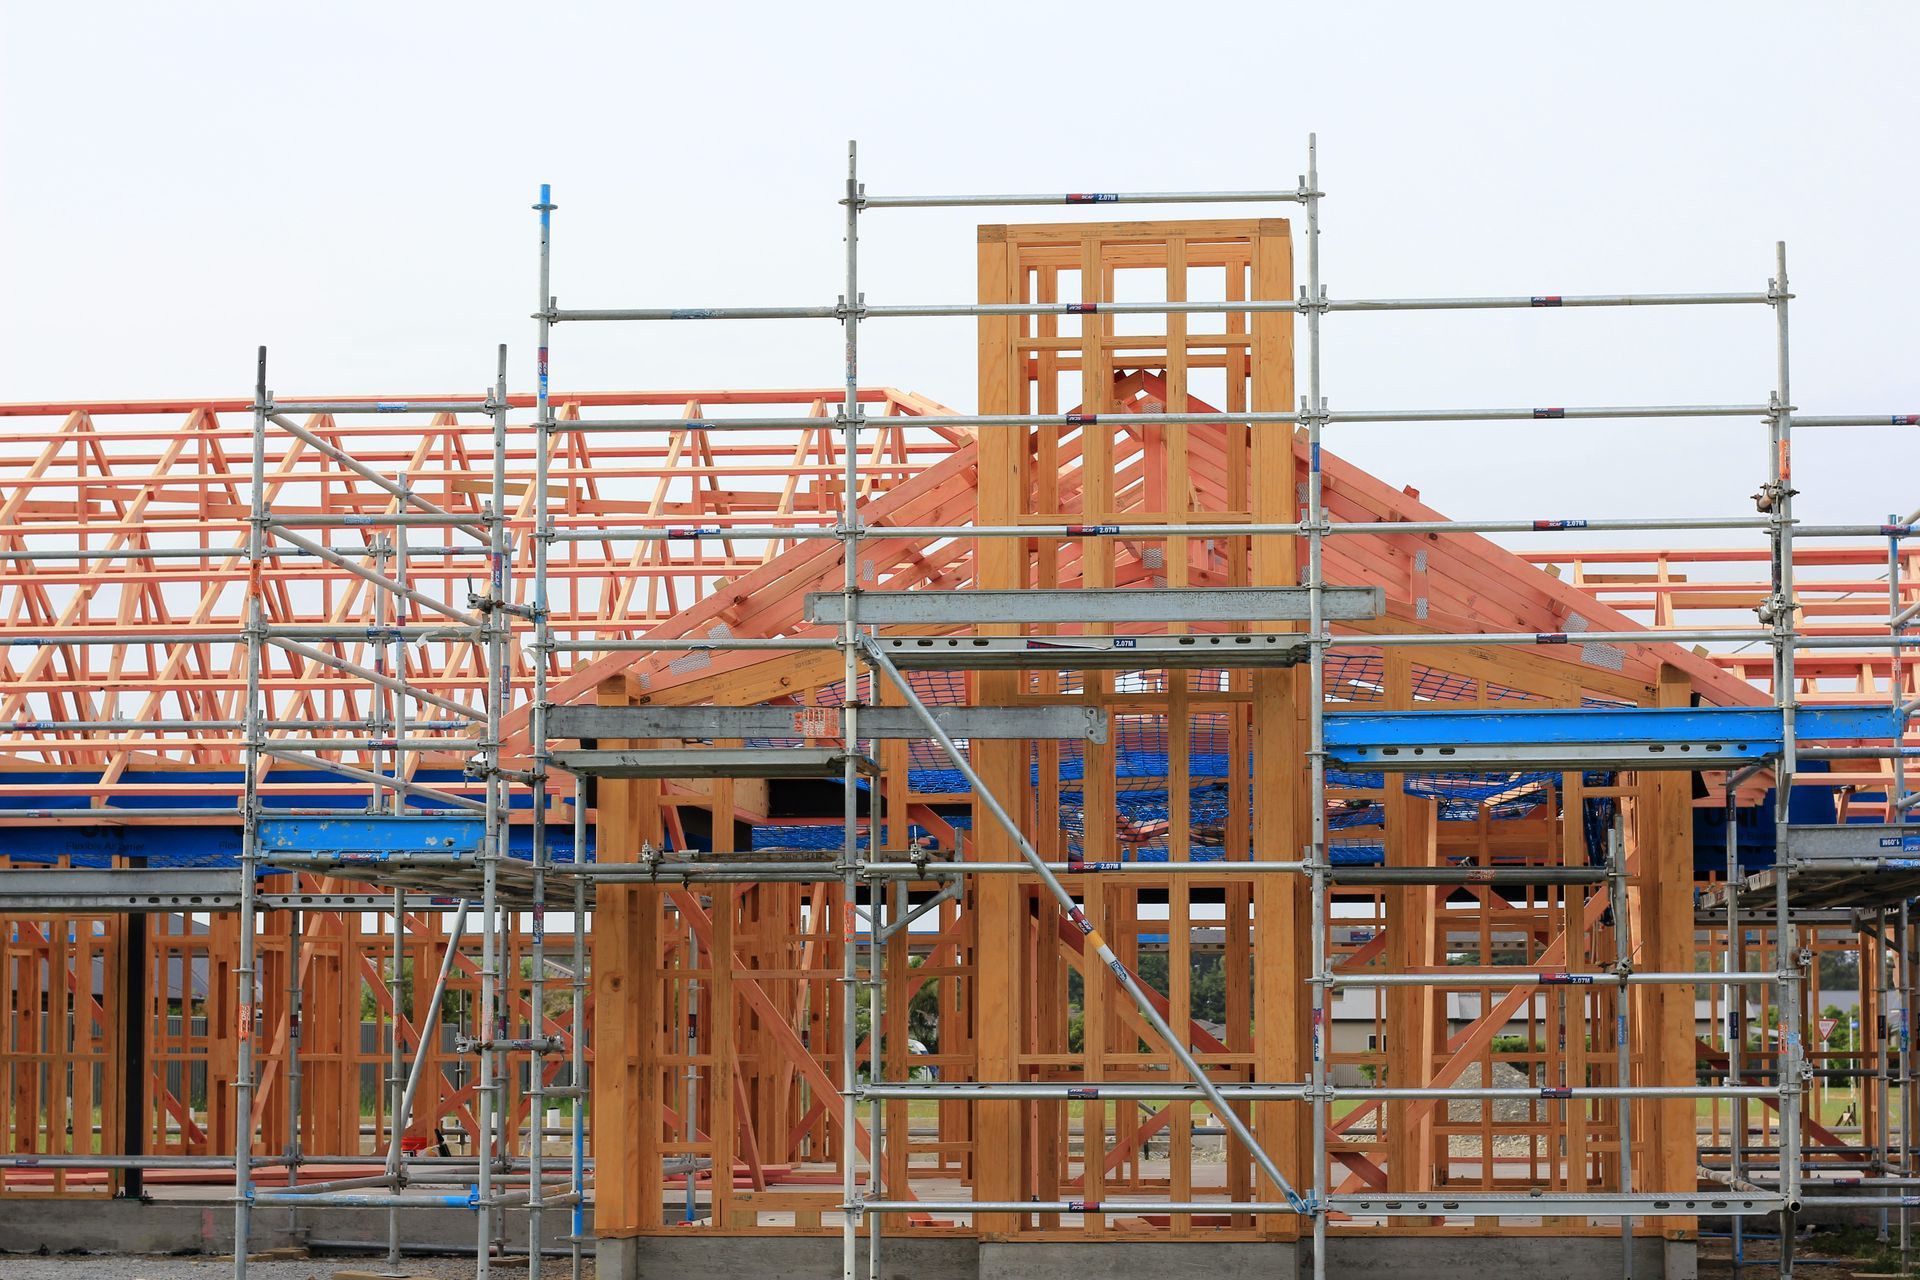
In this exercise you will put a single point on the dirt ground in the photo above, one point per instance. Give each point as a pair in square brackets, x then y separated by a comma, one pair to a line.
[1816, 1258]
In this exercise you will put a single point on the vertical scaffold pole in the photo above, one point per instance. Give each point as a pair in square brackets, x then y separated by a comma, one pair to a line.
[1903, 976]
[396, 1069]
[392, 718]
[1781, 607]
[1315, 415]
[1736, 1002]
[250, 837]
[1623, 1051]
[403, 609]
[577, 1071]
[850, 707]
[502, 675]
[1896, 674]
[492, 1023]
[537, 742]
[293, 1041]
[876, 1008]
[1880, 1142]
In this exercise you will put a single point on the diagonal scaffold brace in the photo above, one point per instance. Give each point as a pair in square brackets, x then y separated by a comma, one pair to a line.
[1114, 965]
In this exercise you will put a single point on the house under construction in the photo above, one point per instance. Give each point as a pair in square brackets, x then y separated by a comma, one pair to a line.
[817, 830]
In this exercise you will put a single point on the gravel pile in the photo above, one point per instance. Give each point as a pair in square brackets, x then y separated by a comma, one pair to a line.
[1470, 1111]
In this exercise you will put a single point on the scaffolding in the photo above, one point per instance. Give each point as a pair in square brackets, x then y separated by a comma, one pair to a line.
[441, 841]
[1582, 740]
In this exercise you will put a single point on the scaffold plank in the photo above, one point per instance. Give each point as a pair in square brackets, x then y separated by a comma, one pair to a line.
[1095, 604]
[1587, 738]
[1091, 653]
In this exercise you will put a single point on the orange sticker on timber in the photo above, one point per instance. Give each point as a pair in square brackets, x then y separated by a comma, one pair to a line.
[817, 722]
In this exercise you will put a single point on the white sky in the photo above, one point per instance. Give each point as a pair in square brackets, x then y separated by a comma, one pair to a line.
[349, 183]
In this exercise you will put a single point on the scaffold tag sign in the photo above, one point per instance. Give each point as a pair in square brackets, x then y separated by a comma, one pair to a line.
[817, 722]
[1827, 1026]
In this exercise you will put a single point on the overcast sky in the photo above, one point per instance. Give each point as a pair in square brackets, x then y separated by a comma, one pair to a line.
[349, 183]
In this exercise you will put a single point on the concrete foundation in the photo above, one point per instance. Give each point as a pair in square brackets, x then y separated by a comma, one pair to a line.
[131, 1226]
[158, 1226]
[1357, 1257]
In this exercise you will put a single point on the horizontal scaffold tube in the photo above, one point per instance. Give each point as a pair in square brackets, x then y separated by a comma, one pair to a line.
[57, 1161]
[483, 405]
[1749, 636]
[351, 1200]
[1082, 1206]
[379, 744]
[797, 422]
[1857, 420]
[945, 310]
[716, 867]
[1196, 529]
[649, 646]
[186, 635]
[1082, 197]
[1132, 1092]
[1466, 875]
[167, 553]
[1523, 977]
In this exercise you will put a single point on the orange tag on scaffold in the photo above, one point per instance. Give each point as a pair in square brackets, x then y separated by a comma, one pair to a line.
[817, 722]
[245, 1027]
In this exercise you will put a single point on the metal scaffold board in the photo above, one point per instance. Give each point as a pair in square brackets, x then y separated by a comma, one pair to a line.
[1841, 866]
[1078, 653]
[714, 762]
[1860, 842]
[1096, 605]
[603, 724]
[1637, 738]
[454, 877]
[166, 890]
[1837, 885]
[371, 835]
